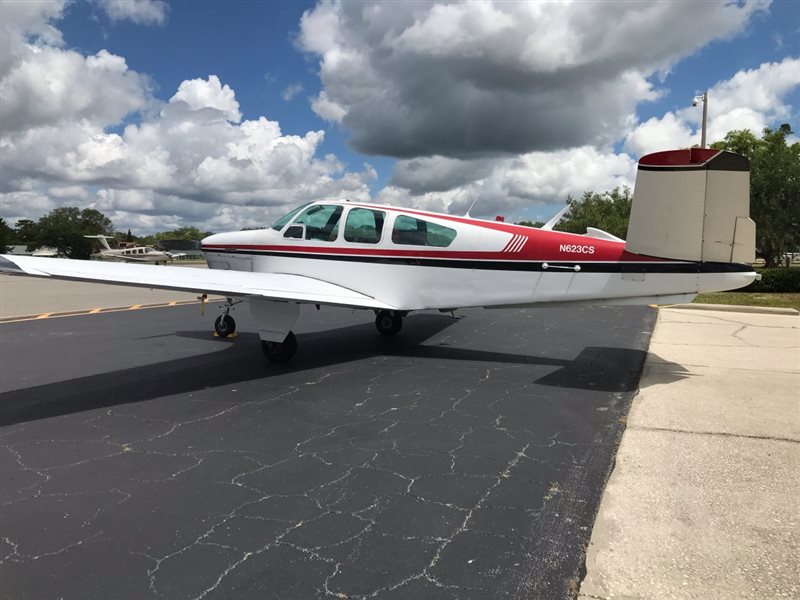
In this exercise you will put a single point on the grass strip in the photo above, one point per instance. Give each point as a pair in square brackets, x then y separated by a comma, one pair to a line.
[787, 300]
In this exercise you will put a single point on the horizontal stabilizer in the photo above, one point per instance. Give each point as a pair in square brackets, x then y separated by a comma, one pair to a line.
[599, 234]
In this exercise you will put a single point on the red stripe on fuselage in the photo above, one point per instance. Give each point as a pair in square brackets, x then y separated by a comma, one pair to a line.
[605, 252]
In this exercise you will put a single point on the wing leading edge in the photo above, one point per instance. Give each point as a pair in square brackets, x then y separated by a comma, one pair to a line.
[272, 286]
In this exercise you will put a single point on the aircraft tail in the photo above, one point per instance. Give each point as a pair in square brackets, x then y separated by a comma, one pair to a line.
[693, 205]
[103, 241]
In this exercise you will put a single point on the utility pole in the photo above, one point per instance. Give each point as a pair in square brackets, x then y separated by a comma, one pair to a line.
[704, 100]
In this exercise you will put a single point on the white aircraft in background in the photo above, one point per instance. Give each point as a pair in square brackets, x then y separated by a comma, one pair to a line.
[141, 254]
[689, 232]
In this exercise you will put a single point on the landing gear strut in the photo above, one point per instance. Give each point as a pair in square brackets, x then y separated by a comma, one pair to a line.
[388, 323]
[224, 325]
[280, 351]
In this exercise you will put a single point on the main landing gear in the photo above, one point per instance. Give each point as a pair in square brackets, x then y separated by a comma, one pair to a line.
[274, 320]
[280, 351]
[388, 323]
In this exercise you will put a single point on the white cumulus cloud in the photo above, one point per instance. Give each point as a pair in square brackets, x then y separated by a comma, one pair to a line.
[506, 185]
[25, 24]
[201, 93]
[291, 91]
[416, 79]
[751, 99]
[51, 86]
[189, 160]
[143, 12]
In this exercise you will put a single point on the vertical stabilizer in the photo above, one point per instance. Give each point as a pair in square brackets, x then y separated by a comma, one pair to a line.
[693, 205]
[103, 241]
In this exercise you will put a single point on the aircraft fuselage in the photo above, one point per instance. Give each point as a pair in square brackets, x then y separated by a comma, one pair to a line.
[417, 260]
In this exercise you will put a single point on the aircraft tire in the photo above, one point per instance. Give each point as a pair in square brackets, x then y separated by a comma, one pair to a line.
[224, 325]
[280, 352]
[388, 323]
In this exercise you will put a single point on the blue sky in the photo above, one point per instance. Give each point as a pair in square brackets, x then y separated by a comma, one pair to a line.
[770, 37]
[250, 45]
[164, 114]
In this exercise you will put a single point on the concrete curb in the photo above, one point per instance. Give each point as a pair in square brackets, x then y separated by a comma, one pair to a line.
[767, 310]
[702, 501]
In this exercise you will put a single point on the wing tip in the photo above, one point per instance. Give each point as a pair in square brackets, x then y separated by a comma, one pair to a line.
[9, 266]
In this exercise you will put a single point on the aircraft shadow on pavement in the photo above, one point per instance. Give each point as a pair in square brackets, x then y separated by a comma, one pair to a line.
[602, 369]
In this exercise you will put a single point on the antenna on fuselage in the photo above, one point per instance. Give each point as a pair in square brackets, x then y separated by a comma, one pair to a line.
[469, 210]
[554, 221]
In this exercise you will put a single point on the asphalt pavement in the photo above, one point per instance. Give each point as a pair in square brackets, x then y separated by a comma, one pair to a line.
[141, 457]
[32, 296]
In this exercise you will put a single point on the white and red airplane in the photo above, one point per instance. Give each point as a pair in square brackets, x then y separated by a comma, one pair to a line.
[689, 232]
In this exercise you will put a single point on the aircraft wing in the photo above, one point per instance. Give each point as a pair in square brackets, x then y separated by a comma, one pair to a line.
[274, 286]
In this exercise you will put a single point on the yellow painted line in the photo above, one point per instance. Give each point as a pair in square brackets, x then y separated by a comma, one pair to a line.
[95, 311]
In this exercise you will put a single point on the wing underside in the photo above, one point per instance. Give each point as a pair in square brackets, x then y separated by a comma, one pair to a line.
[273, 286]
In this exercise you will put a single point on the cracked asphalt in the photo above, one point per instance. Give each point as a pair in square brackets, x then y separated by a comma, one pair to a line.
[140, 457]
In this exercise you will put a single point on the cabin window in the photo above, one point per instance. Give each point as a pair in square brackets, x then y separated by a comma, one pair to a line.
[416, 232]
[364, 226]
[321, 222]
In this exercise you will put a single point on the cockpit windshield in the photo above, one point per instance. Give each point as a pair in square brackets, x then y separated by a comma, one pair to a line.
[281, 223]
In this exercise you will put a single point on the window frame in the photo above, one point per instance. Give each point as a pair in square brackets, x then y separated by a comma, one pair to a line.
[427, 232]
[338, 209]
[385, 219]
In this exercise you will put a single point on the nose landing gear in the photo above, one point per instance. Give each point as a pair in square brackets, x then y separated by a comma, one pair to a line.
[388, 323]
[224, 325]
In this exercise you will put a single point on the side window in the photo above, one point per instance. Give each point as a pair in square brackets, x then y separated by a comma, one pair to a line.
[364, 226]
[321, 222]
[415, 232]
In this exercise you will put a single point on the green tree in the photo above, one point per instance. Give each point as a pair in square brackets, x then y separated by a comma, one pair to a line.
[608, 211]
[63, 228]
[7, 235]
[536, 224]
[25, 231]
[774, 188]
[182, 233]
